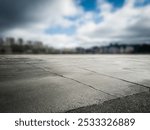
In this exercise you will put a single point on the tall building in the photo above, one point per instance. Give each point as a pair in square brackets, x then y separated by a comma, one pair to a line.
[38, 44]
[9, 41]
[20, 41]
[1, 41]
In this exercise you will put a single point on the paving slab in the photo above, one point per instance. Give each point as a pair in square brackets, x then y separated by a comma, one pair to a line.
[58, 83]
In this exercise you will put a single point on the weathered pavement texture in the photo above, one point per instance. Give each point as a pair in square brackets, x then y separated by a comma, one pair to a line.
[58, 83]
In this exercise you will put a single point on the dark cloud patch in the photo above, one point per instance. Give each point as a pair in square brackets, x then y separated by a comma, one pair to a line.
[139, 31]
[16, 12]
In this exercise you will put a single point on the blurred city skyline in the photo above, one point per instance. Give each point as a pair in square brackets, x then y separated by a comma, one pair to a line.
[11, 45]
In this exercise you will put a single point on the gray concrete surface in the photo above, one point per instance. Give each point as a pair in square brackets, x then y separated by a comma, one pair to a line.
[58, 83]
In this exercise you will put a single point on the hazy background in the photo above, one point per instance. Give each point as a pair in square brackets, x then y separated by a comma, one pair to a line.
[75, 23]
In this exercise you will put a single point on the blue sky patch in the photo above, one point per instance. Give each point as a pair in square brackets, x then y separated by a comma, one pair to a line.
[72, 18]
[60, 30]
[117, 3]
[142, 3]
[88, 5]
[91, 5]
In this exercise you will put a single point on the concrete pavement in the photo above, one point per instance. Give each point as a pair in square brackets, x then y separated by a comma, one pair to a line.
[58, 83]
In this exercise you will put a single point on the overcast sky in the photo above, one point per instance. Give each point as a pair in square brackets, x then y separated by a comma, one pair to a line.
[71, 23]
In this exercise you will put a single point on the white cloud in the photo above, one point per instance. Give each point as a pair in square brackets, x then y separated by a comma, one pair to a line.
[129, 23]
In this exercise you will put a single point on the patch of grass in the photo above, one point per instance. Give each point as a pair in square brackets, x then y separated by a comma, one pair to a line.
[137, 103]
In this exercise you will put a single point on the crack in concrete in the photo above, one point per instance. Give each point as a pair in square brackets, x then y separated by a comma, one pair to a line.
[148, 87]
[47, 70]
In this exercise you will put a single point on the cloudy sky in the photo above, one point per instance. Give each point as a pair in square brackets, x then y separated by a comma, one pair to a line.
[71, 23]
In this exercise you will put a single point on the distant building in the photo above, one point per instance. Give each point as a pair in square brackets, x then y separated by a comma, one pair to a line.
[29, 42]
[9, 41]
[113, 50]
[1, 41]
[129, 49]
[38, 44]
[20, 41]
[122, 50]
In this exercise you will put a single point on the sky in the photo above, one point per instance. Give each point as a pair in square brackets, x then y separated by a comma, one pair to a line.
[73, 23]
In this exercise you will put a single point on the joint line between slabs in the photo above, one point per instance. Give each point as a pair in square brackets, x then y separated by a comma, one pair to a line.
[72, 80]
